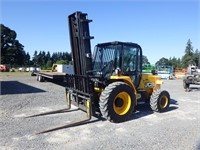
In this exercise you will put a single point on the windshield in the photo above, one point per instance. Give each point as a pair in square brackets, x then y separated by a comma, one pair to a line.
[124, 57]
[104, 59]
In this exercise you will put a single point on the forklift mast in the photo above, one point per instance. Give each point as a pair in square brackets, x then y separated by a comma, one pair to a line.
[80, 43]
[79, 86]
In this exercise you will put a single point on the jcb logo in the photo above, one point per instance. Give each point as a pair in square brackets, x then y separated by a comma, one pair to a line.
[149, 84]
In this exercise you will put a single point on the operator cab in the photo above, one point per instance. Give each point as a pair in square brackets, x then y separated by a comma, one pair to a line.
[118, 58]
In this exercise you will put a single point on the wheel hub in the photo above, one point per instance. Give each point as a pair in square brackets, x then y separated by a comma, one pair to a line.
[163, 102]
[119, 102]
[122, 103]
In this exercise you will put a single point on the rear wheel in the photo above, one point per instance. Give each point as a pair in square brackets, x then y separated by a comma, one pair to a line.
[160, 101]
[117, 102]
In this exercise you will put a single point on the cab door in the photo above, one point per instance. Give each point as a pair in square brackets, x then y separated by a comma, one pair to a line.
[132, 63]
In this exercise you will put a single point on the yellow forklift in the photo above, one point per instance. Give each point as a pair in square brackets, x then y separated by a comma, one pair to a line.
[110, 82]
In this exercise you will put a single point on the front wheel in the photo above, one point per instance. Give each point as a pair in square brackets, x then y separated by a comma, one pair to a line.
[160, 101]
[117, 102]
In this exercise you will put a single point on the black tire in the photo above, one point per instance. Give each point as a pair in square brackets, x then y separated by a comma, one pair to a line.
[117, 102]
[159, 101]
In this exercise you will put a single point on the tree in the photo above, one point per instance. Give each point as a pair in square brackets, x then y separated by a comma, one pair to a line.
[40, 59]
[196, 57]
[54, 57]
[190, 58]
[64, 58]
[176, 63]
[145, 60]
[12, 51]
[162, 61]
[35, 59]
[49, 64]
[27, 61]
[179, 63]
[45, 60]
[62, 62]
[187, 59]
[48, 56]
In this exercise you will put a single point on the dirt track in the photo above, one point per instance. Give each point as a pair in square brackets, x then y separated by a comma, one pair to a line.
[22, 95]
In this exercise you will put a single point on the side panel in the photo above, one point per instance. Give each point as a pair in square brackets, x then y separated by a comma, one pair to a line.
[150, 83]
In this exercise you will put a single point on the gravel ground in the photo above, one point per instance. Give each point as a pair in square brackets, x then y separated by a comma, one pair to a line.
[22, 95]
